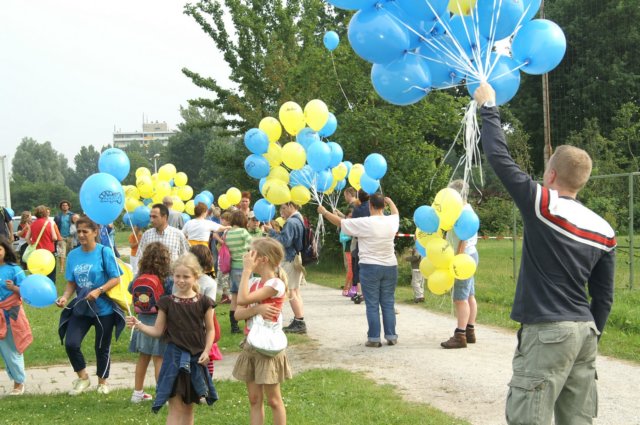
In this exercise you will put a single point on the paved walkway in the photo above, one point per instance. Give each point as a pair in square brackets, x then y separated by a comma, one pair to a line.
[475, 378]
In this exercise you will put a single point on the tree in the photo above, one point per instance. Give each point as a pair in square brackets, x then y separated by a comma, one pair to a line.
[38, 162]
[86, 164]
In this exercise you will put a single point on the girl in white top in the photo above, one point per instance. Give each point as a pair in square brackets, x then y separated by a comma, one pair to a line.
[198, 231]
[265, 296]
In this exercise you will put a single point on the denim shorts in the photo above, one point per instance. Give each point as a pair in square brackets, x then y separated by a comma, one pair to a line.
[234, 277]
[463, 289]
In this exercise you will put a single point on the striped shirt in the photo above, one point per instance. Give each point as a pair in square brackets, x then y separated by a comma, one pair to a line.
[172, 238]
[238, 240]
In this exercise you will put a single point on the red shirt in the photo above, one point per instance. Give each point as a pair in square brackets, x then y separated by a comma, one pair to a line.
[46, 241]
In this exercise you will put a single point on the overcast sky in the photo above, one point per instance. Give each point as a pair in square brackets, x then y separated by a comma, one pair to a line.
[71, 70]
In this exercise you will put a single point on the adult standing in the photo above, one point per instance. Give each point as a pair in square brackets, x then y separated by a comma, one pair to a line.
[43, 232]
[464, 294]
[162, 232]
[378, 264]
[175, 218]
[238, 240]
[567, 249]
[6, 224]
[23, 234]
[292, 239]
[91, 271]
[63, 221]
[245, 203]
[198, 230]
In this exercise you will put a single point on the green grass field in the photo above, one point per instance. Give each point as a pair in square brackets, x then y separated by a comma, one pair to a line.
[495, 287]
[314, 397]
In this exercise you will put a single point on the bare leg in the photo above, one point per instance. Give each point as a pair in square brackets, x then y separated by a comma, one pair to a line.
[179, 412]
[82, 374]
[274, 400]
[296, 303]
[473, 310]
[462, 313]
[256, 412]
[141, 371]
[157, 364]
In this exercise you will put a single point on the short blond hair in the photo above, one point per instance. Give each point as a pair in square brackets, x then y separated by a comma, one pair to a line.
[191, 262]
[572, 166]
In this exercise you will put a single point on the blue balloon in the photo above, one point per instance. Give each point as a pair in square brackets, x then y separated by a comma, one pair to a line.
[375, 166]
[540, 45]
[352, 4]
[341, 184]
[349, 165]
[141, 216]
[462, 30]
[127, 219]
[466, 225]
[185, 217]
[256, 141]
[319, 156]
[331, 40]
[202, 198]
[102, 198]
[209, 195]
[426, 219]
[306, 137]
[10, 212]
[369, 184]
[323, 180]
[264, 180]
[441, 24]
[500, 17]
[421, 250]
[257, 166]
[444, 72]
[419, 15]
[330, 126]
[115, 162]
[531, 8]
[403, 82]
[336, 154]
[264, 210]
[172, 183]
[377, 36]
[38, 291]
[147, 202]
[505, 79]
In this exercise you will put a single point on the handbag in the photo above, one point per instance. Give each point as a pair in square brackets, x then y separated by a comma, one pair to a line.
[266, 337]
[32, 247]
[224, 258]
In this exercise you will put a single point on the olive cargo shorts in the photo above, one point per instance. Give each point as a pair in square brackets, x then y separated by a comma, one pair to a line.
[554, 373]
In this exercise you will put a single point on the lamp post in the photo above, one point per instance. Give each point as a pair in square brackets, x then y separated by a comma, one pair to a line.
[155, 162]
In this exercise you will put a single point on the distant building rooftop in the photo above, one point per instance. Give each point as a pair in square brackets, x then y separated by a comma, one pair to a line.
[151, 132]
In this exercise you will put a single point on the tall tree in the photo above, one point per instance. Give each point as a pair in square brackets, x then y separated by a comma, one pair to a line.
[38, 162]
[86, 164]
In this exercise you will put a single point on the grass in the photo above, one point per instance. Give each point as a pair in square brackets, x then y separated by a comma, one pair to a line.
[495, 288]
[313, 397]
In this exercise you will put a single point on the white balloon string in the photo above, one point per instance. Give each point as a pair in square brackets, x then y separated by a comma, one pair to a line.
[335, 70]
[132, 229]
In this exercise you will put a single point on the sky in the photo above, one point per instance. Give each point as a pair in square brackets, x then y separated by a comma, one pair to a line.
[72, 70]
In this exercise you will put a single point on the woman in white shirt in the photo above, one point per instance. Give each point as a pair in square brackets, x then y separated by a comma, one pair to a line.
[378, 264]
[198, 231]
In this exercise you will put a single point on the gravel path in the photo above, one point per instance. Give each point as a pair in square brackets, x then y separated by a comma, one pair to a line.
[469, 383]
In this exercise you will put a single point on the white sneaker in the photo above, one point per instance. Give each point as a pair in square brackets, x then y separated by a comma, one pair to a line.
[79, 385]
[139, 397]
[103, 389]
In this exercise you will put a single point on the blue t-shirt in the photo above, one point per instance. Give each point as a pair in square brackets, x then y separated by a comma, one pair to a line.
[9, 272]
[90, 270]
[65, 225]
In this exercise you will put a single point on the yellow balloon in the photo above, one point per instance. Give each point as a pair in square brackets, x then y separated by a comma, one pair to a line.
[157, 199]
[143, 181]
[223, 201]
[272, 128]
[132, 192]
[189, 206]
[448, 205]
[274, 154]
[291, 117]
[440, 253]
[130, 204]
[146, 190]
[185, 192]
[162, 189]
[426, 267]
[424, 237]
[463, 266]
[293, 155]
[329, 191]
[440, 281]
[142, 171]
[234, 196]
[354, 176]
[167, 172]
[180, 179]
[339, 171]
[174, 192]
[300, 195]
[279, 173]
[316, 114]
[41, 261]
[461, 7]
[280, 221]
[127, 273]
[276, 191]
[178, 205]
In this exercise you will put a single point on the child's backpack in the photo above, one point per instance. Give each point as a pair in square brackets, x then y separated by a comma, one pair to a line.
[310, 246]
[224, 258]
[147, 290]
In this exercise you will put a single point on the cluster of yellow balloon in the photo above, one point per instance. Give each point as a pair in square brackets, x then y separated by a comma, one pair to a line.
[167, 182]
[230, 198]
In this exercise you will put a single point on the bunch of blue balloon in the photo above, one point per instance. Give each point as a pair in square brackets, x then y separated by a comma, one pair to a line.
[419, 45]
[102, 196]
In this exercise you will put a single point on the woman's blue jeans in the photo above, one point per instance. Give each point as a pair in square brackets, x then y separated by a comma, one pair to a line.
[379, 287]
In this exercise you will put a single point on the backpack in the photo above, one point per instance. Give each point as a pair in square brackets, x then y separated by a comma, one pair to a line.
[224, 257]
[310, 249]
[147, 290]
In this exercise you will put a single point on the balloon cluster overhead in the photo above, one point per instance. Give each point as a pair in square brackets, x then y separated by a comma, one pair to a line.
[440, 265]
[419, 45]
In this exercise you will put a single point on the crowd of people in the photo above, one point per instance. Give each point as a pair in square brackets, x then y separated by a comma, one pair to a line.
[176, 327]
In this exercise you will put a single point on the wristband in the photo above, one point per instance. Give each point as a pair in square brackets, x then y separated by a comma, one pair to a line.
[101, 290]
[489, 104]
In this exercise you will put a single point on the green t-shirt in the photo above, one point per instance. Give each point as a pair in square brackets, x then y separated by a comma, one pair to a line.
[238, 240]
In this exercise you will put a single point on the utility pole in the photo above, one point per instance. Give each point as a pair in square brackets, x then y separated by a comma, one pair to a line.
[546, 107]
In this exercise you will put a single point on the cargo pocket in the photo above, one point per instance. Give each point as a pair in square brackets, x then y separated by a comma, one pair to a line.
[592, 401]
[525, 399]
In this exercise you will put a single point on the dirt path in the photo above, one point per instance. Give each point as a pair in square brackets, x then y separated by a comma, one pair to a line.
[469, 383]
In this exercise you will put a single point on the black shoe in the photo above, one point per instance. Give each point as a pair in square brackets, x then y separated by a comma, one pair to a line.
[357, 299]
[373, 344]
[236, 329]
[296, 327]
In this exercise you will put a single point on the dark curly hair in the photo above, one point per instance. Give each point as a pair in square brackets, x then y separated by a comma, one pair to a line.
[10, 256]
[156, 260]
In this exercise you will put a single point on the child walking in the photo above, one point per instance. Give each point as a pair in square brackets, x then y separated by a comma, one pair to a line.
[264, 296]
[154, 262]
[15, 332]
[417, 280]
[185, 321]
